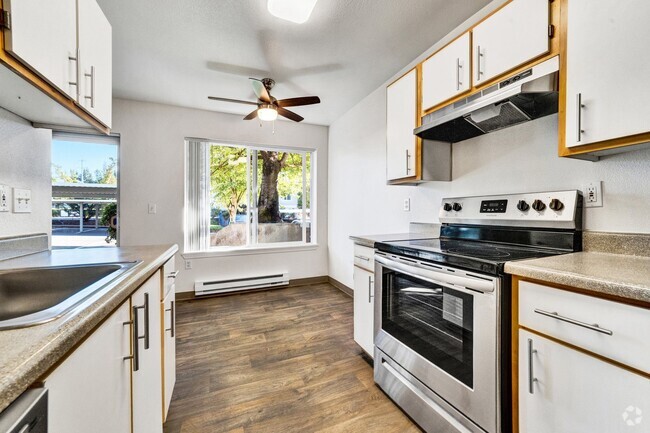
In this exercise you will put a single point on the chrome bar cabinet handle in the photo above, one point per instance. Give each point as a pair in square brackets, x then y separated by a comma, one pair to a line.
[370, 295]
[579, 107]
[531, 376]
[557, 316]
[407, 161]
[92, 86]
[363, 258]
[145, 307]
[479, 71]
[134, 323]
[173, 274]
[458, 68]
[172, 326]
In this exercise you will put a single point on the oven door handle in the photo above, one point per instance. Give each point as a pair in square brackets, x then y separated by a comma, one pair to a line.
[452, 281]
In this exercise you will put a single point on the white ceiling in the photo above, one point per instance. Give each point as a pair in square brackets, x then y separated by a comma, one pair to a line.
[180, 51]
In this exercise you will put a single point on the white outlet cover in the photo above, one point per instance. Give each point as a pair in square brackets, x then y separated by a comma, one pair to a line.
[188, 264]
[4, 198]
[597, 201]
[407, 205]
[22, 200]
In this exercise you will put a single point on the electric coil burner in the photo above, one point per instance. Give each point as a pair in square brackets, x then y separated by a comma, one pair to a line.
[442, 310]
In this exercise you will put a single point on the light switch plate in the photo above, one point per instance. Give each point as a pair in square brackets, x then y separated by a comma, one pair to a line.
[22, 200]
[4, 198]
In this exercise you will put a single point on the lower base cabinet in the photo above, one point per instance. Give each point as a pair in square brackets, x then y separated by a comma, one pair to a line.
[364, 287]
[113, 382]
[91, 390]
[563, 390]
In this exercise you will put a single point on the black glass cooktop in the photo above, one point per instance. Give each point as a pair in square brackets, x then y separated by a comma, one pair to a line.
[488, 257]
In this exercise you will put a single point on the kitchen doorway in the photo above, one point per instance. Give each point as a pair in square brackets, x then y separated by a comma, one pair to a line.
[85, 190]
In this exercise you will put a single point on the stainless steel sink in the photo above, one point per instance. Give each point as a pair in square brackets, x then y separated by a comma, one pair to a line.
[33, 296]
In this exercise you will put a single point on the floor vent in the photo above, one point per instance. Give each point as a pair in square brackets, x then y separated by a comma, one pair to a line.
[212, 287]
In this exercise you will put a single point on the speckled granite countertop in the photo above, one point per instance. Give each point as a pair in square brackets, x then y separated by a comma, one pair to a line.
[28, 353]
[370, 240]
[619, 275]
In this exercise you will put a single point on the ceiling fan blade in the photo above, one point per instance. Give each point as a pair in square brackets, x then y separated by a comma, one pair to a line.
[289, 114]
[252, 115]
[294, 102]
[237, 101]
[260, 90]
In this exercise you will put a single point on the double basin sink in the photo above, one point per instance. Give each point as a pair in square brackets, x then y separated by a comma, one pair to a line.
[33, 296]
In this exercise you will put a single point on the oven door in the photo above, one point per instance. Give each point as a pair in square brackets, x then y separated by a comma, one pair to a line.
[440, 324]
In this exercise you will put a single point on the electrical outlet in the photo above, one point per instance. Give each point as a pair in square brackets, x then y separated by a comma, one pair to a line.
[153, 208]
[407, 205]
[22, 200]
[4, 198]
[593, 194]
[188, 265]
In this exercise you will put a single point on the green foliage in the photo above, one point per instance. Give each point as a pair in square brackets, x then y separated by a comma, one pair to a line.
[108, 212]
[215, 228]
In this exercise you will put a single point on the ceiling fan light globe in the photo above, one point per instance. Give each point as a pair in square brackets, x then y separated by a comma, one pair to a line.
[267, 114]
[296, 11]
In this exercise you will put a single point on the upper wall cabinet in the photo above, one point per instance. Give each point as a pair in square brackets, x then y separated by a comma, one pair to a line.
[402, 115]
[95, 61]
[512, 36]
[43, 36]
[447, 73]
[604, 72]
[56, 62]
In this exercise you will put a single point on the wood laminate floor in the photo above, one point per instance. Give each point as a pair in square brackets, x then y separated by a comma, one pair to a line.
[278, 361]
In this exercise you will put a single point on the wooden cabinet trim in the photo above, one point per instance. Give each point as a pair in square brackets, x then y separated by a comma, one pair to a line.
[35, 80]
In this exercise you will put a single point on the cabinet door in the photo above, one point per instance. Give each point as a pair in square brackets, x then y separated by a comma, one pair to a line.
[577, 393]
[512, 36]
[147, 386]
[606, 68]
[169, 347]
[401, 120]
[446, 73]
[364, 301]
[91, 390]
[95, 61]
[43, 36]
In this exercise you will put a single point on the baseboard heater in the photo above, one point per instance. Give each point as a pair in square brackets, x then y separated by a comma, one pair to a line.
[212, 287]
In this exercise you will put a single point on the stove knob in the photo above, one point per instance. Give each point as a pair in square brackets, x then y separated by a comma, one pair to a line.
[539, 205]
[447, 207]
[556, 205]
[523, 206]
[457, 207]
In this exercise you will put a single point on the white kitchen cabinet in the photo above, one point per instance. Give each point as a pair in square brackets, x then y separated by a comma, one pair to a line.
[401, 120]
[509, 38]
[95, 61]
[147, 374]
[169, 347]
[364, 298]
[43, 36]
[447, 73]
[606, 71]
[562, 390]
[91, 390]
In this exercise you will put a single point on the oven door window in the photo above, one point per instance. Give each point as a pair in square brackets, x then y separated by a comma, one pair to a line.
[435, 321]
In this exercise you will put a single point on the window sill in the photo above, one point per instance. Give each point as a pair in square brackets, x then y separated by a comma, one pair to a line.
[245, 251]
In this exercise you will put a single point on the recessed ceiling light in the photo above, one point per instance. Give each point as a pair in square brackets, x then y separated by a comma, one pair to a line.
[296, 11]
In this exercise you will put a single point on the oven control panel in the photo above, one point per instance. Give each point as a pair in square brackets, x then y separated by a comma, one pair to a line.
[556, 209]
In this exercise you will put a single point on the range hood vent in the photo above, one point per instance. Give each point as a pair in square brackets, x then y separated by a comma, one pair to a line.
[526, 96]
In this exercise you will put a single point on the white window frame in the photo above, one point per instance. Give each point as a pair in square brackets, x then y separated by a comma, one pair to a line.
[252, 247]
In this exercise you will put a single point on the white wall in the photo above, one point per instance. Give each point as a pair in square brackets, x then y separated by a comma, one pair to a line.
[517, 159]
[152, 171]
[25, 163]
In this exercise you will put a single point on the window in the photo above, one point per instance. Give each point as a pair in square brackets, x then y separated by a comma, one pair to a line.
[84, 190]
[242, 196]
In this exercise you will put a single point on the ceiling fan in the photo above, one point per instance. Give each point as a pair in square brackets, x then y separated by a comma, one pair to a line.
[269, 107]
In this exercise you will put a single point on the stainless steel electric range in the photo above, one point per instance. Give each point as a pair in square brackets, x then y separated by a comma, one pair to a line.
[442, 310]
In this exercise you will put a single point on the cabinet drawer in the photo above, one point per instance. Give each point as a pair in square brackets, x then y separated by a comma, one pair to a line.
[364, 257]
[611, 329]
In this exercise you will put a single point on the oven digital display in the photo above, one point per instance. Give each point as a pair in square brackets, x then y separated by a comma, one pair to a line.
[494, 206]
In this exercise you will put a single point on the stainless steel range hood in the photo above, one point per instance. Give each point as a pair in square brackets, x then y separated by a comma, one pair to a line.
[522, 97]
